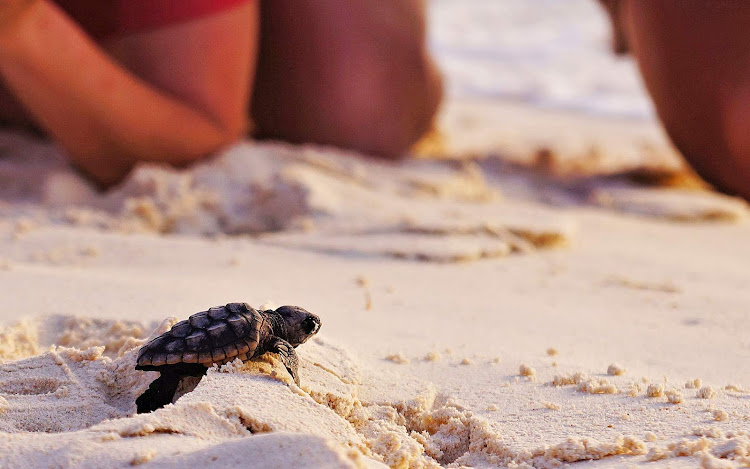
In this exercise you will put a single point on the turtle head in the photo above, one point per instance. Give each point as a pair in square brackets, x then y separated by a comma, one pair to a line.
[298, 324]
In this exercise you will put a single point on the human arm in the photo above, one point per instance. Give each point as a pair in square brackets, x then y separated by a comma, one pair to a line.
[188, 99]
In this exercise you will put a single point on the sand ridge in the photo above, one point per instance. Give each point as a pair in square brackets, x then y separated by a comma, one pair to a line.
[336, 202]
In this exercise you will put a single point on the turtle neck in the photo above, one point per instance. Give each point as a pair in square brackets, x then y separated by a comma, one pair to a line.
[278, 326]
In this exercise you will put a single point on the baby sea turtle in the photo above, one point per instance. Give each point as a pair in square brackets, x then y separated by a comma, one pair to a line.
[219, 336]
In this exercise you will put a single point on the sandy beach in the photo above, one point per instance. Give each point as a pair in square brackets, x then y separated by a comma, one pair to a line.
[479, 311]
[543, 283]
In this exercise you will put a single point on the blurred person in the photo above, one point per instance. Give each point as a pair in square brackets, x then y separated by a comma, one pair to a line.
[694, 56]
[115, 82]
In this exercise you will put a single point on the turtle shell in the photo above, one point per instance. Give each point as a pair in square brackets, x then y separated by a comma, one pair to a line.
[218, 335]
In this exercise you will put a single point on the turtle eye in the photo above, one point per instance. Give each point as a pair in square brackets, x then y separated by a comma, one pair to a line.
[308, 325]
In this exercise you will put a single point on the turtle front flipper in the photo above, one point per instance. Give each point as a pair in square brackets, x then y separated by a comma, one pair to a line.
[288, 356]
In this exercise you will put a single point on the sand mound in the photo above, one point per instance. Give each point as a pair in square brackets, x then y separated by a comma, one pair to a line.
[274, 187]
[672, 204]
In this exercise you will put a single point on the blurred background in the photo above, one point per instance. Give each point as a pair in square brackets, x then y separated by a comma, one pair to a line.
[552, 54]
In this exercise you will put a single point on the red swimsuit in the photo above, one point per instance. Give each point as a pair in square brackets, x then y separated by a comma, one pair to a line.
[103, 18]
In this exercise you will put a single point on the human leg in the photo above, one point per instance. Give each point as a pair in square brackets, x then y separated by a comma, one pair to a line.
[695, 59]
[351, 74]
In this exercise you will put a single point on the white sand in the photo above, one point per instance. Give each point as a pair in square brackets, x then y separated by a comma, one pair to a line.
[573, 286]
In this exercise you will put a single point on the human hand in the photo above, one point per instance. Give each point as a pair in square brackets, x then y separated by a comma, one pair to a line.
[12, 10]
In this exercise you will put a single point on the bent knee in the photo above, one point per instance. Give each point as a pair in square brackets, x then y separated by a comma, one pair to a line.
[390, 111]
[734, 175]
[718, 147]
[376, 104]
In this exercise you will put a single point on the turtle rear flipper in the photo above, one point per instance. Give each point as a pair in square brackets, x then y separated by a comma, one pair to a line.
[159, 393]
[162, 390]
